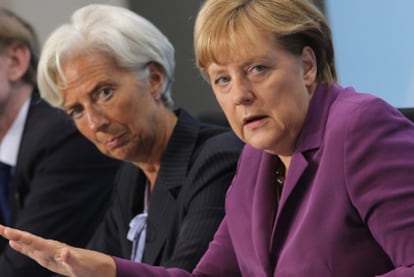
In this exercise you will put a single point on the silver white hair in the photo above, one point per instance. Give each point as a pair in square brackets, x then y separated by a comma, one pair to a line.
[131, 40]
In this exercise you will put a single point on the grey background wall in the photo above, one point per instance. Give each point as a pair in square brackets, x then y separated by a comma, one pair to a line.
[46, 15]
[175, 18]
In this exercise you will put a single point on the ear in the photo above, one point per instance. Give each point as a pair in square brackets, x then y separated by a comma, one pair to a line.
[156, 79]
[310, 68]
[18, 60]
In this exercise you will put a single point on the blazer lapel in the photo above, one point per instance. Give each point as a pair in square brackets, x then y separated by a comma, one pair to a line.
[172, 176]
[309, 141]
[291, 181]
[160, 220]
[264, 208]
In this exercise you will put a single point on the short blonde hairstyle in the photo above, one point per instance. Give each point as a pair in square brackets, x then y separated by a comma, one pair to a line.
[294, 24]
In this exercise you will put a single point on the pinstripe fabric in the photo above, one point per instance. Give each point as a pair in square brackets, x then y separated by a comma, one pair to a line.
[187, 203]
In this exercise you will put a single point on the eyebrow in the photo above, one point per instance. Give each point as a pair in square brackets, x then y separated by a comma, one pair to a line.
[68, 107]
[94, 90]
[252, 60]
[216, 70]
[97, 87]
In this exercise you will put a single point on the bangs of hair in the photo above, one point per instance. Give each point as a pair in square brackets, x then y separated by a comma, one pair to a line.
[221, 40]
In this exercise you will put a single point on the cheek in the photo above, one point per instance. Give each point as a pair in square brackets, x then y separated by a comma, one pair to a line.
[83, 128]
[226, 106]
[4, 88]
[292, 114]
[230, 112]
[131, 106]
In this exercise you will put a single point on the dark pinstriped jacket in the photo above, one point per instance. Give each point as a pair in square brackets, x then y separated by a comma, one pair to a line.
[187, 203]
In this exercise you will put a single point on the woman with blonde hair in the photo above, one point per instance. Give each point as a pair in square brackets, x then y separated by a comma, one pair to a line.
[324, 186]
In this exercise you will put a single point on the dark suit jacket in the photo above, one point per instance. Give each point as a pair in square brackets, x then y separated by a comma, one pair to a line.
[61, 187]
[347, 204]
[187, 203]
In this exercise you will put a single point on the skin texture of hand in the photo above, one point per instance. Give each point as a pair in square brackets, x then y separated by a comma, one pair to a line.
[59, 257]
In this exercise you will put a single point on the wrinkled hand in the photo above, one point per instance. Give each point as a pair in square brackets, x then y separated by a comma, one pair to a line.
[59, 257]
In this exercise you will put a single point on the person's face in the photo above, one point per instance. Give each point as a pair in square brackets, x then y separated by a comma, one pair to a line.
[264, 92]
[4, 80]
[14, 60]
[111, 108]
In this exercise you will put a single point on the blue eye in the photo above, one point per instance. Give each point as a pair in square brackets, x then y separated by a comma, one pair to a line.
[222, 80]
[258, 68]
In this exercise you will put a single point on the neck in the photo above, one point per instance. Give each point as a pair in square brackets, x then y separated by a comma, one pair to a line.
[286, 161]
[151, 171]
[152, 166]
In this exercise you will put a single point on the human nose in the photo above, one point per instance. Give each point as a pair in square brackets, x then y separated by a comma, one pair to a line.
[242, 91]
[96, 119]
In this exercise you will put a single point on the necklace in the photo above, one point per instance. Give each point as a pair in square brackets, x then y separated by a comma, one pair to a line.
[280, 180]
[280, 175]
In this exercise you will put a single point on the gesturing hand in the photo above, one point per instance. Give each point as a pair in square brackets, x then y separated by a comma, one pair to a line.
[59, 257]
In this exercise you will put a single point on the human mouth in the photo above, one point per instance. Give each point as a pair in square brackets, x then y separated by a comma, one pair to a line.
[253, 121]
[113, 142]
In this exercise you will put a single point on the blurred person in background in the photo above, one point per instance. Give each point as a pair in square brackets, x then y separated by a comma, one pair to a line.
[53, 181]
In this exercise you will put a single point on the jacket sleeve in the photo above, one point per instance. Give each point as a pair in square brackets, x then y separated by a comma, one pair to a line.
[380, 178]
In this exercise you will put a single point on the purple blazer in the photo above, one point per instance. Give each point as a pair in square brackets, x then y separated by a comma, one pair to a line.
[347, 205]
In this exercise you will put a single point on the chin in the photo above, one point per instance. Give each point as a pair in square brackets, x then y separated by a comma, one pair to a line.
[258, 145]
[115, 154]
[259, 140]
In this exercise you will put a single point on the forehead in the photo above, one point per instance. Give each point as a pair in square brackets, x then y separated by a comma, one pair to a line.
[248, 50]
[242, 46]
[85, 68]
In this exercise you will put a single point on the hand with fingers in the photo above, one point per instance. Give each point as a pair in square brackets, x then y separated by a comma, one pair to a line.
[59, 257]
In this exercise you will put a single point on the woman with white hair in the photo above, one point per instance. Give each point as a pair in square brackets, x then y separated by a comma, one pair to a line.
[324, 186]
[111, 70]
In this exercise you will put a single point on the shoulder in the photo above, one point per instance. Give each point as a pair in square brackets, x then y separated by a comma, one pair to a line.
[56, 118]
[361, 112]
[214, 158]
[214, 137]
[49, 131]
[45, 120]
[351, 104]
[214, 142]
[250, 162]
